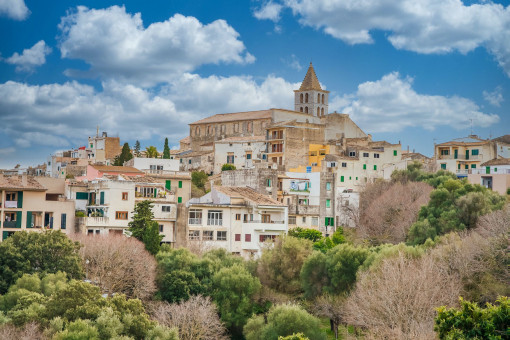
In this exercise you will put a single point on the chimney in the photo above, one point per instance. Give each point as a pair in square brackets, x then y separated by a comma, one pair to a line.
[24, 180]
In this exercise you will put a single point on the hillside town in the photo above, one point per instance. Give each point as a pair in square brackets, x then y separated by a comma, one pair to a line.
[268, 172]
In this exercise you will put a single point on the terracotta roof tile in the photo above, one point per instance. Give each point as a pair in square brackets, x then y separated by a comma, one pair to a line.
[229, 117]
[112, 168]
[310, 82]
[497, 161]
[248, 194]
[16, 183]
[242, 139]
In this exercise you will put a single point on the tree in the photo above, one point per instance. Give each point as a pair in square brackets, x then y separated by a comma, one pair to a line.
[137, 148]
[166, 150]
[473, 322]
[309, 234]
[179, 285]
[118, 264]
[314, 275]
[331, 307]
[125, 155]
[151, 152]
[283, 320]
[199, 178]
[227, 167]
[233, 291]
[196, 319]
[143, 228]
[44, 252]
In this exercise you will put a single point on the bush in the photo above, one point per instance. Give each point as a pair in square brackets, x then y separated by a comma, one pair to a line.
[227, 167]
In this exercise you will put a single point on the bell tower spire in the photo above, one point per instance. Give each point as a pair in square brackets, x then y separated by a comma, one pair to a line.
[311, 98]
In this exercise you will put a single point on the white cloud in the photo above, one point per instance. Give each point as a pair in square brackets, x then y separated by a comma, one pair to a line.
[426, 26]
[30, 58]
[116, 44]
[7, 151]
[391, 105]
[495, 97]
[14, 9]
[270, 11]
[293, 62]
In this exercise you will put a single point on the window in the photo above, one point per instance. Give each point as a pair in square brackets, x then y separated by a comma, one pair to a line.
[248, 155]
[180, 184]
[197, 131]
[238, 237]
[301, 109]
[443, 166]
[474, 152]
[303, 219]
[322, 99]
[306, 100]
[189, 161]
[230, 158]
[328, 186]
[238, 217]
[301, 98]
[376, 155]
[121, 215]
[266, 218]
[160, 228]
[179, 199]
[306, 109]
[352, 153]
[445, 152]
[292, 220]
[221, 236]
[365, 154]
[195, 216]
[330, 221]
[394, 152]
[236, 127]
[63, 221]
[344, 165]
[214, 217]
[194, 235]
[473, 166]
[315, 221]
[124, 196]
[247, 237]
[318, 99]
[264, 238]
[328, 203]
[268, 182]
[165, 208]
[466, 166]
[375, 167]
[322, 152]
[208, 235]
[82, 196]
[364, 166]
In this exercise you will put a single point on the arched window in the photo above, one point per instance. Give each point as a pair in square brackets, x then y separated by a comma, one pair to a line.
[306, 98]
[318, 97]
[301, 98]
[322, 112]
[250, 126]
[306, 109]
[318, 112]
[301, 109]
[197, 131]
[223, 128]
[209, 130]
[322, 99]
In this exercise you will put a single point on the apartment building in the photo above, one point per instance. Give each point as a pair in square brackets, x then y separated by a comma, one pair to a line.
[238, 219]
[153, 165]
[493, 174]
[33, 204]
[242, 152]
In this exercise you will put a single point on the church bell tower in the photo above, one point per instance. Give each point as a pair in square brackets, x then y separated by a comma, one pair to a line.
[311, 98]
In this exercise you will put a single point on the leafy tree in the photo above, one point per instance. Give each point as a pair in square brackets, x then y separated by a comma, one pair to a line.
[474, 322]
[166, 150]
[151, 152]
[279, 266]
[45, 252]
[283, 320]
[125, 155]
[227, 167]
[233, 291]
[137, 148]
[309, 234]
[179, 285]
[199, 178]
[314, 275]
[143, 228]
[295, 336]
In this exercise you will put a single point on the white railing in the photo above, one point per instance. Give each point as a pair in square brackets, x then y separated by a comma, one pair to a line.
[484, 171]
[214, 221]
[11, 204]
[195, 221]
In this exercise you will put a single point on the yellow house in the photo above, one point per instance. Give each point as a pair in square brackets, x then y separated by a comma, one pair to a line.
[316, 154]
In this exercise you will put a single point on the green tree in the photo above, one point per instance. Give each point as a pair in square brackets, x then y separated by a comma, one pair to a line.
[44, 252]
[314, 275]
[137, 148]
[283, 320]
[227, 167]
[179, 285]
[166, 150]
[125, 155]
[233, 291]
[199, 178]
[309, 234]
[473, 322]
[151, 152]
[143, 228]
[295, 336]
[279, 266]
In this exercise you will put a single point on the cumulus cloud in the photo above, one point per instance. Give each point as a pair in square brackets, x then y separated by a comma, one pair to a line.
[391, 105]
[117, 45]
[30, 58]
[426, 26]
[269, 10]
[495, 97]
[14, 9]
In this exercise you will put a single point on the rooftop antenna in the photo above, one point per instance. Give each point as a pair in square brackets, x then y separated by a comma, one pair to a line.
[97, 131]
[471, 120]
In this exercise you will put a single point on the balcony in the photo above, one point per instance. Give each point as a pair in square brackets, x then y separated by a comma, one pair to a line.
[267, 226]
[97, 221]
[195, 221]
[10, 224]
[484, 171]
[11, 204]
[214, 221]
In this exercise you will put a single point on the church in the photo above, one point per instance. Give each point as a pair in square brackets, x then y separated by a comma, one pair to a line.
[286, 133]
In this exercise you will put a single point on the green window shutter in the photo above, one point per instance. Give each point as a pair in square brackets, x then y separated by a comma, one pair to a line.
[356, 178]
[82, 195]
[180, 184]
[467, 154]
[332, 221]
[101, 198]
[179, 199]
[341, 178]
[487, 170]
[18, 219]
[328, 203]
[443, 166]
[375, 167]
[5, 235]
[63, 221]
[20, 199]
[364, 166]
[458, 166]
[473, 166]
[466, 166]
[29, 219]
[155, 193]
[168, 185]
[394, 152]
[495, 169]
[326, 222]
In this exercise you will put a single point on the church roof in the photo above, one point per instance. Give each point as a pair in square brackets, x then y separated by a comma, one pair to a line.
[229, 117]
[310, 82]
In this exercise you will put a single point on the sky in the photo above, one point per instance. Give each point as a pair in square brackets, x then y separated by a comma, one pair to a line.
[417, 72]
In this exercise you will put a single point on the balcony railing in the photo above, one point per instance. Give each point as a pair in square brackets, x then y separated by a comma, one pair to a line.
[10, 224]
[265, 222]
[214, 221]
[484, 171]
[195, 221]
[11, 204]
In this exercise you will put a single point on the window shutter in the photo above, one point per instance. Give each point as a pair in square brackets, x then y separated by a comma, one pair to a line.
[179, 199]
[63, 221]
[29, 219]
[261, 238]
[101, 198]
[168, 185]
[20, 199]
[18, 219]
[180, 184]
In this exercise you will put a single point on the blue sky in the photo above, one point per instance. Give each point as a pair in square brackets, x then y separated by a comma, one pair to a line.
[412, 71]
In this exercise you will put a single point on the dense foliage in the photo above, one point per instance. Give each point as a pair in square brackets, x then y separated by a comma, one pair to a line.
[166, 150]
[227, 167]
[125, 155]
[143, 228]
[44, 252]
